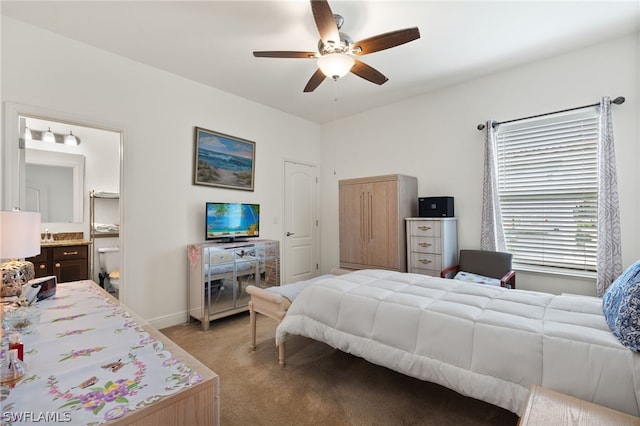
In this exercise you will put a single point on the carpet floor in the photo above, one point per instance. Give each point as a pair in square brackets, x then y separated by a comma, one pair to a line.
[319, 385]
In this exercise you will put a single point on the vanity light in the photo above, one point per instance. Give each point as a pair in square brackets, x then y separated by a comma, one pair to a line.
[70, 139]
[48, 136]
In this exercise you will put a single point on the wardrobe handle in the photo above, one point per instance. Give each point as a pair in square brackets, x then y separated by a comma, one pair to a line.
[57, 265]
[363, 225]
[370, 208]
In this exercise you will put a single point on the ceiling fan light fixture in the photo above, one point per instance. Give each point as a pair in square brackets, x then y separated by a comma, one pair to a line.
[335, 65]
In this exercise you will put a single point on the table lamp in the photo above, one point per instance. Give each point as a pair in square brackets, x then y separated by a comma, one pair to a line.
[19, 238]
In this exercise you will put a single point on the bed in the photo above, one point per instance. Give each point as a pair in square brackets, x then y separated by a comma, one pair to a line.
[484, 342]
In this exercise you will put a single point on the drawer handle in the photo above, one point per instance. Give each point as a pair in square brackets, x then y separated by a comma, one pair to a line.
[424, 261]
[57, 265]
[70, 253]
[424, 228]
[42, 266]
[424, 244]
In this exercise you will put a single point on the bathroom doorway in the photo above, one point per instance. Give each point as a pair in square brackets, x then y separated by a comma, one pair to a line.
[99, 148]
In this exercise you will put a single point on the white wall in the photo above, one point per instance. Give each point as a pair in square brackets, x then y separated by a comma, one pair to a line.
[157, 112]
[434, 137]
[431, 136]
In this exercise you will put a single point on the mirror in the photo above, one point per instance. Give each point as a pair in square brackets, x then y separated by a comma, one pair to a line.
[54, 185]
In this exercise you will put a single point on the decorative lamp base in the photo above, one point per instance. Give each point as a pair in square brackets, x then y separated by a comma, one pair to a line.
[15, 274]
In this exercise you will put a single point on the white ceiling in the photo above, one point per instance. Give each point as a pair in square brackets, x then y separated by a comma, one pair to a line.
[212, 42]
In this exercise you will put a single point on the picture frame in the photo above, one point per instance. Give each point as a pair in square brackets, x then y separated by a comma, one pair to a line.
[223, 161]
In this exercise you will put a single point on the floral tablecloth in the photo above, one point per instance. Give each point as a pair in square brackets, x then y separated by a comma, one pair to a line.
[89, 362]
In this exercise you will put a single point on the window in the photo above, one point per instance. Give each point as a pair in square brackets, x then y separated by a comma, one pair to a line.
[548, 186]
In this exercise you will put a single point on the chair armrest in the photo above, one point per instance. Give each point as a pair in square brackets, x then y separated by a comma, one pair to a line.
[509, 280]
[445, 272]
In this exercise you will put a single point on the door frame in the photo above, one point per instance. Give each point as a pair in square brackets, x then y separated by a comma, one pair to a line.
[316, 240]
[12, 155]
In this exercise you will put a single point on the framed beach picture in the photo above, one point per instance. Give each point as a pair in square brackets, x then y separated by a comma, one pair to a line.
[223, 160]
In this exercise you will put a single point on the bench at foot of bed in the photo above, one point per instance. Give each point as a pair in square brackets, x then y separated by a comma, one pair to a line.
[274, 303]
[266, 303]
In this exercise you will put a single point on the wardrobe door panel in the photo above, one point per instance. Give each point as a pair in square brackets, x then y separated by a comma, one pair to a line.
[352, 225]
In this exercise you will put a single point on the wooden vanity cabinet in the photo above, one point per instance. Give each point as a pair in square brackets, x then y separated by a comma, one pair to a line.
[67, 263]
[41, 263]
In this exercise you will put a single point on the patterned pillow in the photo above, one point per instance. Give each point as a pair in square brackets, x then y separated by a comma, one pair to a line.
[621, 307]
[475, 278]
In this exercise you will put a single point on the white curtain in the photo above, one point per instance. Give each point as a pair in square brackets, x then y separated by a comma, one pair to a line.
[609, 253]
[491, 230]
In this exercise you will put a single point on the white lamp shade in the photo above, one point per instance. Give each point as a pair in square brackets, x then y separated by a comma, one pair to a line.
[48, 136]
[19, 234]
[335, 65]
[70, 139]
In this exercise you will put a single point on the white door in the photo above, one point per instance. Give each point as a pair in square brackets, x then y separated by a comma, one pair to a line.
[300, 252]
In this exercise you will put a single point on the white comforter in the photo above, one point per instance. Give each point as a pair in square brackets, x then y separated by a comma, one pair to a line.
[485, 342]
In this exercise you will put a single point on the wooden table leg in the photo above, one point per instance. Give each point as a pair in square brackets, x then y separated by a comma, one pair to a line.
[252, 327]
[281, 354]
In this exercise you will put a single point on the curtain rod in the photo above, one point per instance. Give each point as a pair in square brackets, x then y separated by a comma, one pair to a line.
[619, 100]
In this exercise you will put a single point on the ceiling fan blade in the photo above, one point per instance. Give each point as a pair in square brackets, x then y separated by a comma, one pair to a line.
[315, 80]
[369, 73]
[284, 54]
[326, 23]
[385, 41]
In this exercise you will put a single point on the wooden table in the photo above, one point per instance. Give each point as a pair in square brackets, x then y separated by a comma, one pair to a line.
[140, 377]
[546, 407]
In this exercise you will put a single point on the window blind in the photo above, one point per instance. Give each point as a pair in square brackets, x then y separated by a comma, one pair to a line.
[548, 183]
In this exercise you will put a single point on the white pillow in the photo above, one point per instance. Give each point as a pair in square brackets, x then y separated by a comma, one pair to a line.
[475, 278]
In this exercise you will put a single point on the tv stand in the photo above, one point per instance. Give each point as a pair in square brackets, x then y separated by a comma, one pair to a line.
[219, 272]
[233, 240]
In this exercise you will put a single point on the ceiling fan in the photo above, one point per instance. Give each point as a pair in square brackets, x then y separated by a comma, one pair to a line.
[337, 51]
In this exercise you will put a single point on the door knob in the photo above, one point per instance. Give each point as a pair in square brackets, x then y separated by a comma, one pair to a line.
[290, 234]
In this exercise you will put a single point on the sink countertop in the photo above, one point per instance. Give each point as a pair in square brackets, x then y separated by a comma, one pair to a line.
[59, 243]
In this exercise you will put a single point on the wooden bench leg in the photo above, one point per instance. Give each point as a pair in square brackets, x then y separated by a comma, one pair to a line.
[281, 354]
[252, 327]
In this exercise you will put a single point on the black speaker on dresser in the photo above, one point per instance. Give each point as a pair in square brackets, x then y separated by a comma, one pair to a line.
[435, 206]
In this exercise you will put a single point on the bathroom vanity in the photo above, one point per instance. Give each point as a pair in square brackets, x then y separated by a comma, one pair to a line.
[219, 273]
[67, 259]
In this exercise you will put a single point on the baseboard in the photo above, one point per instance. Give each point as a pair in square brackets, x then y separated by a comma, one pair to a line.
[168, 320]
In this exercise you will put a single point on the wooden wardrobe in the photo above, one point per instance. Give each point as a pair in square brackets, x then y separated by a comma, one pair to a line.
[372, 213]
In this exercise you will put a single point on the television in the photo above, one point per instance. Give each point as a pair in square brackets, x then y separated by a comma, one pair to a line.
[232, 221]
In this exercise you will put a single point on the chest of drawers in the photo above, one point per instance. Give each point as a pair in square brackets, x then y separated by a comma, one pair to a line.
[219, 274]
[432, 245]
